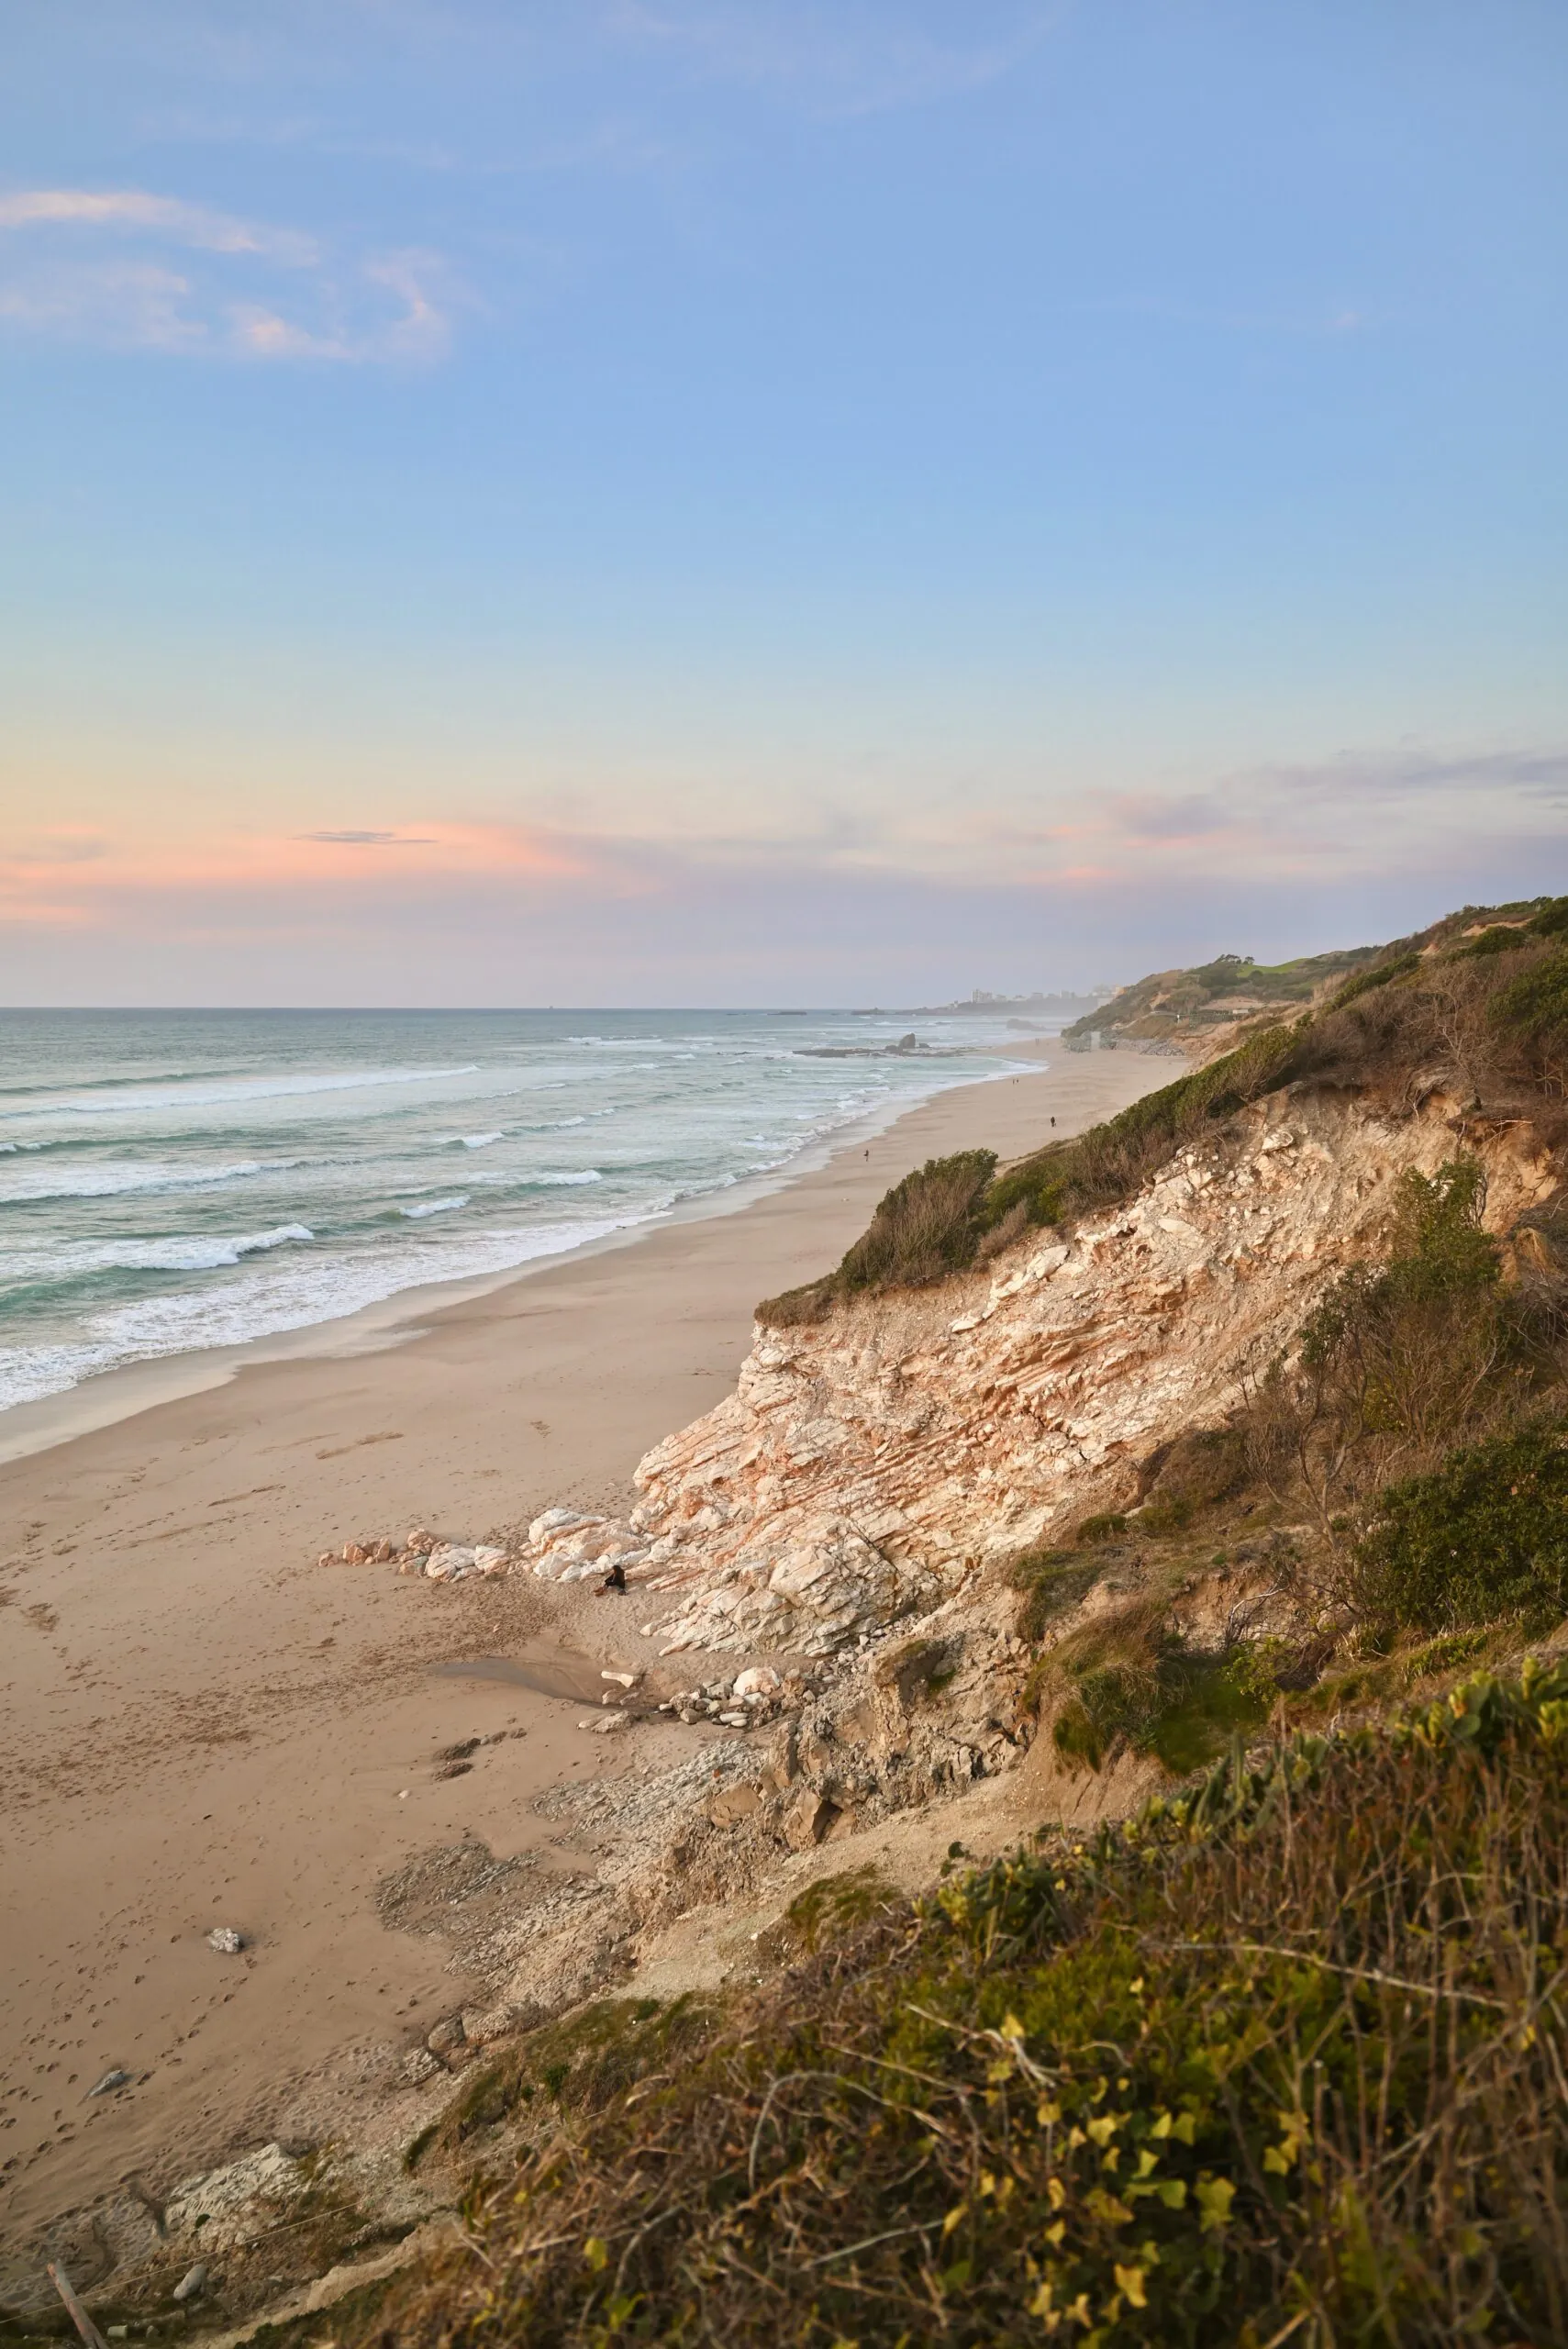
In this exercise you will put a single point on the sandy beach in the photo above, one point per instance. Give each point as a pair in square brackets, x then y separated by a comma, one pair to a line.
[203, 1726]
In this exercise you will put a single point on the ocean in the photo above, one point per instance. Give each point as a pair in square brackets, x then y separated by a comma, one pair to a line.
[172, 1181]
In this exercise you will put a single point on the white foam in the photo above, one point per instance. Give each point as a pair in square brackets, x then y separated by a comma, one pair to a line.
[435, 1206]
[591, 1174]
[137, 1099]
[196, 1253]
[109, 1180]
[480, 1142]
[287, 1296]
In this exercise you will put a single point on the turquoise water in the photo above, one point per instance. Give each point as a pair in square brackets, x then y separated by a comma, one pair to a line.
[171, 1181]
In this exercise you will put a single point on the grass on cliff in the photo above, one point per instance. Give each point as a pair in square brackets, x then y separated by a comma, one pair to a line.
[1485, 1017]
[1286, 2058]
[1416, 1425]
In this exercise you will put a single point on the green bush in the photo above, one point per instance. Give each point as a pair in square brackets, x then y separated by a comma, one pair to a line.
[1181, 1711]
[1054, 1580]
[1277, 2061]
[1382, 975]
[927, 1226]
[1483, 1538]
[1107, 1163]
[1534, 1006]
[1398, 1365]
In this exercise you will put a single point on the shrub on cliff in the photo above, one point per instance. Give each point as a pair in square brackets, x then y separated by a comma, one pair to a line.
[1109, 1163]
[927, 1226]
[1482, 1539]
[1281, 2059]
[1401, 1363]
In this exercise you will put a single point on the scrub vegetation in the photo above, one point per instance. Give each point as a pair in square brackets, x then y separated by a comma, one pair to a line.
[1490, 1019]
[1281, 2058]
[1284, 2057]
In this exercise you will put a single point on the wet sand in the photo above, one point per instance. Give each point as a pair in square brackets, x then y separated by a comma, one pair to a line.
[202, 1726]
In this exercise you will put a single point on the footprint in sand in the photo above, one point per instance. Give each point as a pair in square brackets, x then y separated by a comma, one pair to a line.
[393, 1435]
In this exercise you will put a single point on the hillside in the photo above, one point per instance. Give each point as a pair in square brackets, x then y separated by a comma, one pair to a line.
[1124, 1897]
[1201, 1008]
[1259, 1415]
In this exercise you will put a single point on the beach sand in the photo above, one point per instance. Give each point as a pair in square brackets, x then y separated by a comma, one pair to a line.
[202, 1726]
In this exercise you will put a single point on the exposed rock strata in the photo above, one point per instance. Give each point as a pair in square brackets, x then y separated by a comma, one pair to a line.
[868, 1466]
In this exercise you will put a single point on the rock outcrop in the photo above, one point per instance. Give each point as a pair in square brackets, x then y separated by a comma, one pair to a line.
[868, 1466]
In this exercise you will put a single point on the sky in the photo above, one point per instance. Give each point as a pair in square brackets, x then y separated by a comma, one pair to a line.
[715, 501]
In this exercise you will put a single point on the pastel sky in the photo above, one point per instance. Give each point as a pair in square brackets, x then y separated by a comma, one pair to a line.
[747, 501]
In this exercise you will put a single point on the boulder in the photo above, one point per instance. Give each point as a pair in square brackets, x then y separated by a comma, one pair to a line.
[807, 1819]
[450, 1562]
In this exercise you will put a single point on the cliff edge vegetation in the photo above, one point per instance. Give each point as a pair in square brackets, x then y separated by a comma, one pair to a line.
[1478, 1001]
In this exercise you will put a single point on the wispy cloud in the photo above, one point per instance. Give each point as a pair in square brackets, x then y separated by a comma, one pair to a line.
[251, 291]
[373, 840]
[133, 209]
[842, 61]
[1449, 825]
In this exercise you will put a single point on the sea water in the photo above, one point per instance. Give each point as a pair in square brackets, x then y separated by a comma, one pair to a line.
[172, 1181]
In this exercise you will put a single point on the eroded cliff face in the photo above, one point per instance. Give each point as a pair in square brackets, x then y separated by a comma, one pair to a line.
[867, 1468]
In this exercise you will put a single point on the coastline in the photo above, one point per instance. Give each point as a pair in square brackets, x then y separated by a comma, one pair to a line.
[27, 1429]
[204, 1726]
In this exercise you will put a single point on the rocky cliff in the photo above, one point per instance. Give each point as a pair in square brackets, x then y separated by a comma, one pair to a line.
[868, 1468]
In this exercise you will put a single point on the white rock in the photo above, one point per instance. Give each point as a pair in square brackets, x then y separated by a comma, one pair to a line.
[225, 1940]
[758, 1681]
[552, 1521]
[626, 1679]
[487, 1560]
[192, 2284]
[611, 1723]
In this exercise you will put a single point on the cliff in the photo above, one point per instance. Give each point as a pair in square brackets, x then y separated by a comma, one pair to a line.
[870, 1466]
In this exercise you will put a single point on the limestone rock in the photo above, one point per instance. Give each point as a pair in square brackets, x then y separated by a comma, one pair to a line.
[807, 1819]
[225, 1940]
[868, 1467]
[455, 1561]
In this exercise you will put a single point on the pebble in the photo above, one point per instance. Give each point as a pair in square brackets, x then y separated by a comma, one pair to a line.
[111, 2080]
[192, 2284]
[225, 1940]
